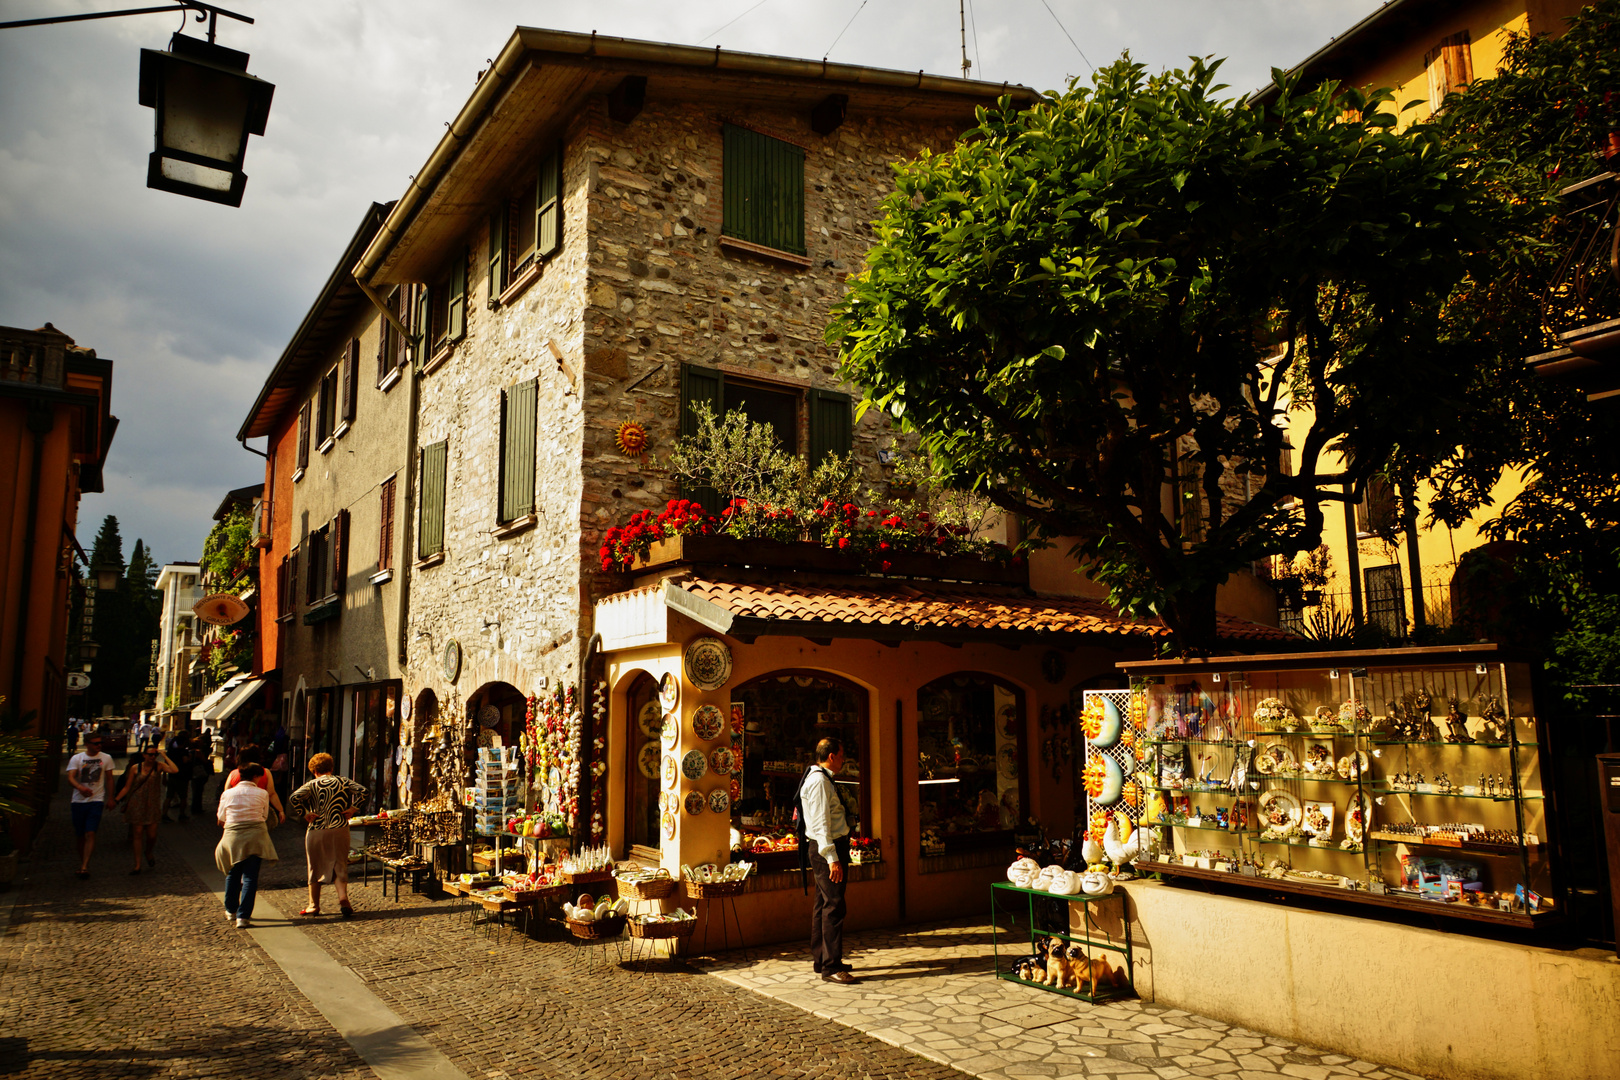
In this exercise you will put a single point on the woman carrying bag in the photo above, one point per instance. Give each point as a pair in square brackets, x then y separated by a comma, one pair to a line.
[142, 796]
[247, 816]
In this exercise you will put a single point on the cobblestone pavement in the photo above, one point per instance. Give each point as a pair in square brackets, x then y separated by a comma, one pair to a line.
[930, 990]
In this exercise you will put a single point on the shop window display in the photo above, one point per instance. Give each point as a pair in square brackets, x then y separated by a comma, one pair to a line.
[373, 751]
[971, 788]
[777, 720]
[641, 770]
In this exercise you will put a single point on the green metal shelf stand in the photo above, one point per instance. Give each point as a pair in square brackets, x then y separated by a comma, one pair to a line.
[1089, 937]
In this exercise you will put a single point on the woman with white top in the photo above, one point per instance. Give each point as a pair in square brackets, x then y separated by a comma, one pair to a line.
[243, 811]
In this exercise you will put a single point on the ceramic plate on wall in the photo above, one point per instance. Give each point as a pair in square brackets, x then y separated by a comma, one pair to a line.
[672, 772]
[708, 722]
[723, 760]
[694, 765]
[671, 730]
[668, 820]
[669, 689]
[695, 802]
[719, 801]
[647, 760]
[708, 663]
[651, 719]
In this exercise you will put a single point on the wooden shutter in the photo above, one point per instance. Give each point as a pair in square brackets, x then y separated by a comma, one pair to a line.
[340, 552]
[303, 436]
[421, 324]
[832, 425]
[548, 206]
[455, 324]
[289, 599]
[351, 379]
[707, 385]
[518, 408]
[385, 534]
[1375, 513]
[315, 570]
[1450, 68]
[497, 252]
[385, 338]
[430, 531]
[281, 585]
[763, 190]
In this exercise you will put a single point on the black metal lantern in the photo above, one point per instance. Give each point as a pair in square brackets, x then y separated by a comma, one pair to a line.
[207, 105]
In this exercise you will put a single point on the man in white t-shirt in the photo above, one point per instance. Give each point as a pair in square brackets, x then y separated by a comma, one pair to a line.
[90, 773]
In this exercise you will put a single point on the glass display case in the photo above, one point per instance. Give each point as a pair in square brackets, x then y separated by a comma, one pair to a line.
[1397, 777]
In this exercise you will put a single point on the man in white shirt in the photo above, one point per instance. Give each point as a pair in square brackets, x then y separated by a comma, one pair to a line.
[90, 773]
[827, 827]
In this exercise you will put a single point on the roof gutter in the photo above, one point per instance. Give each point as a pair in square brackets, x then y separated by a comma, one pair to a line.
[1269, 92]
[511, 63]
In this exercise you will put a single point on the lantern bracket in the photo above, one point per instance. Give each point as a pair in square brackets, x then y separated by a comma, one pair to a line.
[207, 12]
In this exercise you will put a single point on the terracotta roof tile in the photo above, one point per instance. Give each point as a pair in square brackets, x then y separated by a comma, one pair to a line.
[920, 606]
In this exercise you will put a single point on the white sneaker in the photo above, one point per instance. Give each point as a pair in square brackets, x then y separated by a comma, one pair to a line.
[230, 916]
[243, 924]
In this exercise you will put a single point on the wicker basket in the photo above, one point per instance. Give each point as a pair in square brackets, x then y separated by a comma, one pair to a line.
[656, 889]
[713, 890]
[590, 878]
[555, 892]
[610, 927]
[675, 929]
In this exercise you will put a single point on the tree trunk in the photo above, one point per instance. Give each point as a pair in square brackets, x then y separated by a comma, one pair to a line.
[1191, 619]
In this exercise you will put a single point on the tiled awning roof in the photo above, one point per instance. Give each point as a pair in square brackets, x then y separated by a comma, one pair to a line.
[875, 608]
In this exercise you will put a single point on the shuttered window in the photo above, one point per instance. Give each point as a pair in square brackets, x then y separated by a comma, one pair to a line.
[1375, 513]
[326, 401]
[289, 597]
[1450, 67]
[497, 253]
[455, 322]
[385, 532]
[1386, 599]
[548, 206]
[303, 436]
[832, 425]
[518, 408]
[318, 549]
[340, 553]
[421, 324]
[283, 585]
[351, 380]
[430, 529]
[763, 190]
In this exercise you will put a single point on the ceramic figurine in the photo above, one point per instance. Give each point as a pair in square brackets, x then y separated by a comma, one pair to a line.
[1494, 723]
[1457, 721]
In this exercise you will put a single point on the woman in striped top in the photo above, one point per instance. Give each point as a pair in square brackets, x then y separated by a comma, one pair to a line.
[325, 804]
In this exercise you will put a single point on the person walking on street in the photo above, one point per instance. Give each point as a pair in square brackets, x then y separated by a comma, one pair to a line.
[142, 795]
[246, 816]
[180, 755]
[253, 755]
[202, 770]
[827, 827]
[325, 803]
[90, 773]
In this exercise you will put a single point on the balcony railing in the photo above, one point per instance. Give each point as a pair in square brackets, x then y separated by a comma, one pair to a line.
[1586, 289]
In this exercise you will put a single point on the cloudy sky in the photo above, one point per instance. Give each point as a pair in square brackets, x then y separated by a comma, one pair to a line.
[194, 302]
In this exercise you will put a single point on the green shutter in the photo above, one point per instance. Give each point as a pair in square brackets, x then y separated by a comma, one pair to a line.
[548, 206]
[763, 190]
[456, 307]
[497, 253]
[421, 325]
[832, 425]
[430, 533]
[517, 449]
[705, 385]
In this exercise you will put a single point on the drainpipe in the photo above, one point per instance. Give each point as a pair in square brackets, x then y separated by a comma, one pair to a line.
[1352, 556]
[41, 418]
[407, 545]
[1420, 618]
[900, 803]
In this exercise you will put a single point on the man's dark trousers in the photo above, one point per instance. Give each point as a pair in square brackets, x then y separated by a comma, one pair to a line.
[827, 917]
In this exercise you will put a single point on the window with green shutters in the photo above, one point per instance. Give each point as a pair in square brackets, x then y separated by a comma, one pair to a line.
[518, 408]
[531, 223]
[548, 206]
[456, 299]
[763, 187]
[832, 425]
[430, 528]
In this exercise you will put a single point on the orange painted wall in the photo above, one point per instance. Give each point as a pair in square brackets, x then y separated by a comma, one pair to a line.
[278, 485]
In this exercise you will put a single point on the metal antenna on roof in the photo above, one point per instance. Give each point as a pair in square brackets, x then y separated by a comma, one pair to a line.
[961, 14]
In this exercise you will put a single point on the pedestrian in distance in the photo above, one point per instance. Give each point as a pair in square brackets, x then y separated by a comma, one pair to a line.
[142, 796]
[325, 803]
[826, 826]
[246, 816]
[202, 770]
[179, 753]
[90, 773]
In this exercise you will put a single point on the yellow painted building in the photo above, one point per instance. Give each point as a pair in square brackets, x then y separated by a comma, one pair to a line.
[1423, 50]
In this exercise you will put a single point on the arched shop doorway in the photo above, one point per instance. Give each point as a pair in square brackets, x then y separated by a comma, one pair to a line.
[497, 713]
[972, 787]
[777, 720]
[644, 752]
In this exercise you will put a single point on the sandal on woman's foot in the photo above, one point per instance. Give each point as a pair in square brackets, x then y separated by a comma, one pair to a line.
[82, 874]
[310, 911]
[345, 910]
[135, 871]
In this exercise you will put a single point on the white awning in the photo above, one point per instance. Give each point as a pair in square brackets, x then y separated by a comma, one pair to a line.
[227, 699]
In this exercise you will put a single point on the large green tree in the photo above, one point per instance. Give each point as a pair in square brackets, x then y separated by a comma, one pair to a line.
[1098, 309]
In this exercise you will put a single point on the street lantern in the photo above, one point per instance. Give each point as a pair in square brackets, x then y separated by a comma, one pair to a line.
[106, 575]
[206, 106]
[88, 650]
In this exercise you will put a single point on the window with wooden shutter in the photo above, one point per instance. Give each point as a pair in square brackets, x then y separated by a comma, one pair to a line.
[303, 436]
[497, 253]
[282, 584]
[421, 324]
[317, 565]
[289, 598]
[1386, 599]
[1376, 512]
[351, 380]
[518, 411]
[706, 385]
[385, 528]
[430, 528]
[548, 206]
[763, 190]
[455, 321]
[326, 402]
[340, 553]
[1450, 67]
[832, 425]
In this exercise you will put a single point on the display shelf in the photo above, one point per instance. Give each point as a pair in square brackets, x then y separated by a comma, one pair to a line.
[1088, 938]
[1196, 742]
[1388, 900]
[1205, 828]
[1331, 846]
[1474, 847]
[1199, 790]
[1318, 779]
[1444, 742]
[1526, 797]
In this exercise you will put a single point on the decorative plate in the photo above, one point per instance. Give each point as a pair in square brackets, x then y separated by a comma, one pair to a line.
[723, 760]
[708, 722]
[669, 690]
[650, 719]
[1007, 762]
[1357, 816]
[708, 663]
[1272, 759]
[647, 760]
[451, 660]
[668, 820]
[1354, 764]
[694, 765]
[719, 801]
[695, 802]
[1318, 820]
[1007, 723]
[671, 730]
[489, 717]
[1279, 807]
[672, 772]
[1319, 760]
